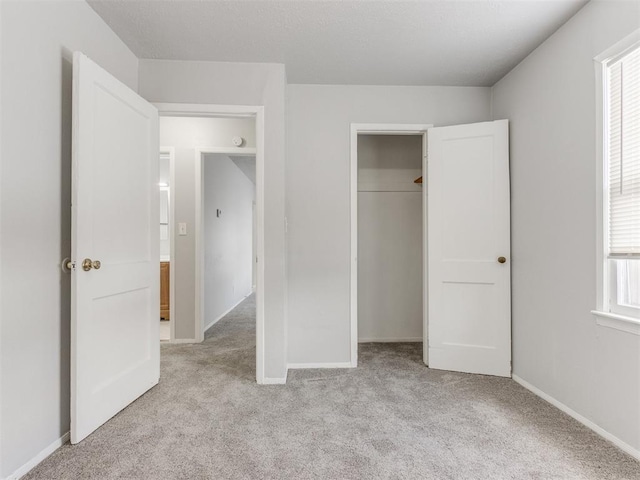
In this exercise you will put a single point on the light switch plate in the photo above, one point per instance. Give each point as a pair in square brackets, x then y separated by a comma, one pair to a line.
[182, 229]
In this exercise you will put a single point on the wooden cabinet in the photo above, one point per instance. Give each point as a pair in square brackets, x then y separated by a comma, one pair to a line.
[164, 290]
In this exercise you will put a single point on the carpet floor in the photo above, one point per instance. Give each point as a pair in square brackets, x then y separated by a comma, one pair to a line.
[391, 418]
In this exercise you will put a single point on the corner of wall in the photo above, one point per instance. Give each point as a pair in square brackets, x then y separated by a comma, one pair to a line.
[491, 100]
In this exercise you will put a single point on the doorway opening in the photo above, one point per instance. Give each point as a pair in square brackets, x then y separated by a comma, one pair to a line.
[388, 235]
[167, 300]
[227, 251]
[200, 298]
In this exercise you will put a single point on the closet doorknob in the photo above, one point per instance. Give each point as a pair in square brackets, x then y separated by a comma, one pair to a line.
[501, 259]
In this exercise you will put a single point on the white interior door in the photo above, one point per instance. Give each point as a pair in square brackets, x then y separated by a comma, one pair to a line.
[115, 339]
[469, 249]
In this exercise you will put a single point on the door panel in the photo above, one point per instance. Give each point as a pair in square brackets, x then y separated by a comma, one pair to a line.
[469, 317]
[115, 337]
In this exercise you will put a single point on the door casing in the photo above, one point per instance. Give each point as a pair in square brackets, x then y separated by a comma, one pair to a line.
[172, 242]
[382, 129]
[228, 111]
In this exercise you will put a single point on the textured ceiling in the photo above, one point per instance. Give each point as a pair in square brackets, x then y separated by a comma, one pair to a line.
[428, 42]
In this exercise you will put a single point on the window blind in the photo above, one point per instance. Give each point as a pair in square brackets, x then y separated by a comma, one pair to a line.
[624, 156]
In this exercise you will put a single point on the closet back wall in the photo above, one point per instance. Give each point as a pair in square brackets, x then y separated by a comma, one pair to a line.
[389, 238]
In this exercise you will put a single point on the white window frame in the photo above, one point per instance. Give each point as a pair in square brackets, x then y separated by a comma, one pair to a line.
[604, 275]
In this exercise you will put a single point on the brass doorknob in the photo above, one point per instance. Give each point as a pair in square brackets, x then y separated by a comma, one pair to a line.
[501, 259]
[88, 264]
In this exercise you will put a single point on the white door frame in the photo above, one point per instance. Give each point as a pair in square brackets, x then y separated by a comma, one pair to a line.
[381, 129]
[172, 242]
[225, 111]
[199, 226]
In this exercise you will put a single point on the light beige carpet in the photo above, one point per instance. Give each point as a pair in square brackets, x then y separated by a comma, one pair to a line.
[391, 418]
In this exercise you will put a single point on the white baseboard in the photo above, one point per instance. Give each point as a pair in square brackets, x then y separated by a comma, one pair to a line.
[390, 340]
[31, 464]
[583, 420]
[274, 381]
[320, 365]
[184, 340]
[221, 316]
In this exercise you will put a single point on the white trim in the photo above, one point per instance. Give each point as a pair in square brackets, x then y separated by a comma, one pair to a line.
[583, 420]
[172, 242]
[602, 220]
[354, 244]
[390, 128]
[231, 151]
[425, 246]
[1, 316]
[601, 63]
[260, 248]
[617, 322]
[224, 314]
[391, 340]
[274, 381]
[294, 366]
[31, 464]
[372, 129]
[619, 49]
[184, 340]
[204, 110]
[199, 226]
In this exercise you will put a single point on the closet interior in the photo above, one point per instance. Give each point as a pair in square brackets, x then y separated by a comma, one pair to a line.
[390, 238]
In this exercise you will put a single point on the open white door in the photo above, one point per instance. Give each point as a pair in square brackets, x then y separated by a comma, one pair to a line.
[115, 304]
[469, 249]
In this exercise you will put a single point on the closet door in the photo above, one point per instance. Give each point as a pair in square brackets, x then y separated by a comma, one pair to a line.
[469, 319]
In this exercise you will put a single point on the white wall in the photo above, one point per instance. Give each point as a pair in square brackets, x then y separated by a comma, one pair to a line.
[389, 238]
[557, 346]
[317, 176]
[185, 134]
[228, 238]
[242, 84]
[37, 44]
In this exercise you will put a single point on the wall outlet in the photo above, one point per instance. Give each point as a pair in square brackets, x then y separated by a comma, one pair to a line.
[182, 229]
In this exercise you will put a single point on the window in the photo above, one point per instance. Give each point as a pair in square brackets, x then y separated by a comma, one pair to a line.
[621, 197]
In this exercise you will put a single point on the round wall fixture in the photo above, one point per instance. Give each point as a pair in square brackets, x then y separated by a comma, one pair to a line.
[237, 141]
